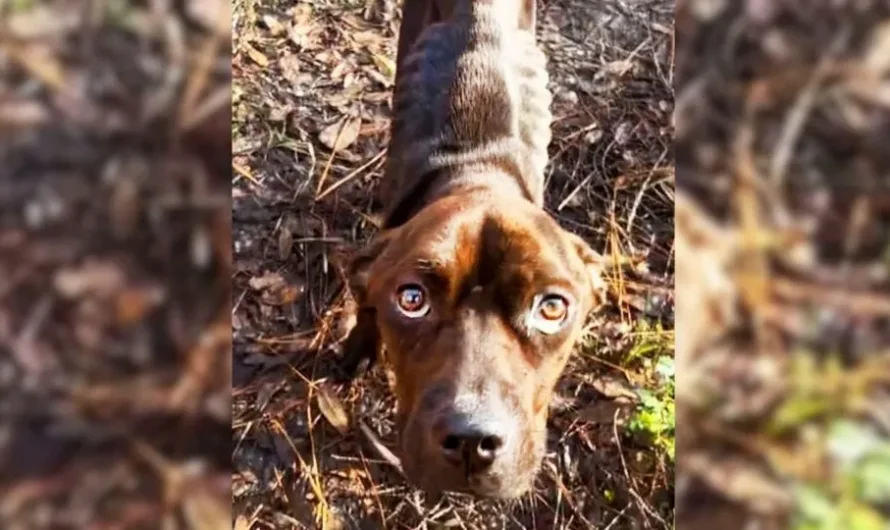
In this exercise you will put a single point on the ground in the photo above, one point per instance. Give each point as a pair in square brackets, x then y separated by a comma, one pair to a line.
[782, 243]
[311, 93]
[114, 266]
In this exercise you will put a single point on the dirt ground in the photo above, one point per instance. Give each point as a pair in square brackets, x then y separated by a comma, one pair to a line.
[783, 228]
[114, 266]
[311, 93]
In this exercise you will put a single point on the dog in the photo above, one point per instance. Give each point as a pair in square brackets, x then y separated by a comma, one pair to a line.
[471, 292]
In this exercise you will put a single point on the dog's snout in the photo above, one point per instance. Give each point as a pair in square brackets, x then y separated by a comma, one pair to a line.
[471, 446]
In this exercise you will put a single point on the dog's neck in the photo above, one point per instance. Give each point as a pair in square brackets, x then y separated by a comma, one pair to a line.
[489, 177]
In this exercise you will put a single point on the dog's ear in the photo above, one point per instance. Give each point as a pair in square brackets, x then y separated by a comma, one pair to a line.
[358, 270]
[362, 344]
[595, 264]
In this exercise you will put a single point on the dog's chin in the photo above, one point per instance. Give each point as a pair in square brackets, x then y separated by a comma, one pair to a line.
[436, 481]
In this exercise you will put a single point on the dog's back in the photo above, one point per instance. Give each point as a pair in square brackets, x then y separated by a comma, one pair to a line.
[471, 98]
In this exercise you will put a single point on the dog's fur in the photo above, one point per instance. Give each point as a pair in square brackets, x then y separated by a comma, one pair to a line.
[464, 193]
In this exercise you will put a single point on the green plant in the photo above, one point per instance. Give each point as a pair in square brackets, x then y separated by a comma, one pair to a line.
[861, 483]
[654, 417]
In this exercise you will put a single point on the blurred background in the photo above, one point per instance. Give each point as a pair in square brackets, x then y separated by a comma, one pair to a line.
[783, 260]
[114, 264]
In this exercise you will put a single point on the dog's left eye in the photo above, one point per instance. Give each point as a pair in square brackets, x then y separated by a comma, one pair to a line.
[549, 313]
[412, 301]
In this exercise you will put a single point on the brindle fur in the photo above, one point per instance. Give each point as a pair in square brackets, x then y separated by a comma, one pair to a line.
[463, 193]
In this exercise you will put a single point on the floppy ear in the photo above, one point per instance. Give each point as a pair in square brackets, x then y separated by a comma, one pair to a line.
[362, 344]
[359, 268]
[595, 264]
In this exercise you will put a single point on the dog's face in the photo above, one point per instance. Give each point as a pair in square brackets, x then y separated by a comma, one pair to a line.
[478, 304]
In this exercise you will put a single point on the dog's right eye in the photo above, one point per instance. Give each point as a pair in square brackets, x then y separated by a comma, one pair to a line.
[412, 301]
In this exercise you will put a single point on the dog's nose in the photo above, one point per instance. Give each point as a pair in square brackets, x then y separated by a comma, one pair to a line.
[472, 447]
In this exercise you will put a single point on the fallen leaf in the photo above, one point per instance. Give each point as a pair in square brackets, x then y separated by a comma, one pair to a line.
[332, 409]
[203, 510]
[285, 243]
[214, 15]
[302, 13]
[23, 113]
[340, 135]
[256, 55]
[134, 303]
[40, 63]
[332, 521]
[93, 277]
[241, 523]
[385, 65]
[283, 294]
[290, 68]
[877, 58]
[269, 279]
[613, 387]
[619, 68]
[276, 28]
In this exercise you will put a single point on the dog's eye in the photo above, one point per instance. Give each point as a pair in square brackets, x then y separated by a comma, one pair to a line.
[412, 301]
[549, 313]
[553, 308]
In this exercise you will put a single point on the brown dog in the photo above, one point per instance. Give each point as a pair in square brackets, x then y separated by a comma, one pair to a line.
[474, 293]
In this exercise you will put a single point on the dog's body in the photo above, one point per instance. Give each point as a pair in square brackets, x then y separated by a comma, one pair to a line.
[471, 99]
[476, 295]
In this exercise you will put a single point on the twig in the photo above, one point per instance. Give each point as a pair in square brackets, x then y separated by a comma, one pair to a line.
[630, 487]
[334, 149]
[333, 187]
[381, 449]
[799, 113]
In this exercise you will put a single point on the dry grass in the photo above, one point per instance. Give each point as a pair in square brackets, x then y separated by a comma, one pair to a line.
[113, 340]
[311, 116]
[782, 235]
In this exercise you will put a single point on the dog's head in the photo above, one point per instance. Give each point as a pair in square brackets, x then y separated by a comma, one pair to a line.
[477, 302]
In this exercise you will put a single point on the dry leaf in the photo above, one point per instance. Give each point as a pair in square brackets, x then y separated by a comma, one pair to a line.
[283, 294]
[101, 278]
[385, 65]
[340, 135]
[241, 523]
[256, 55]
[290, 68]
[302, 13]
[613, 387]
[332, 409]
[40, 63]
[270, 279]
[332, 521]
[877, 58]
[203, 510]
[285, 243]
[276, 28]
[134, 304]
[619, 68]
[22, 113]
[214, 15]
